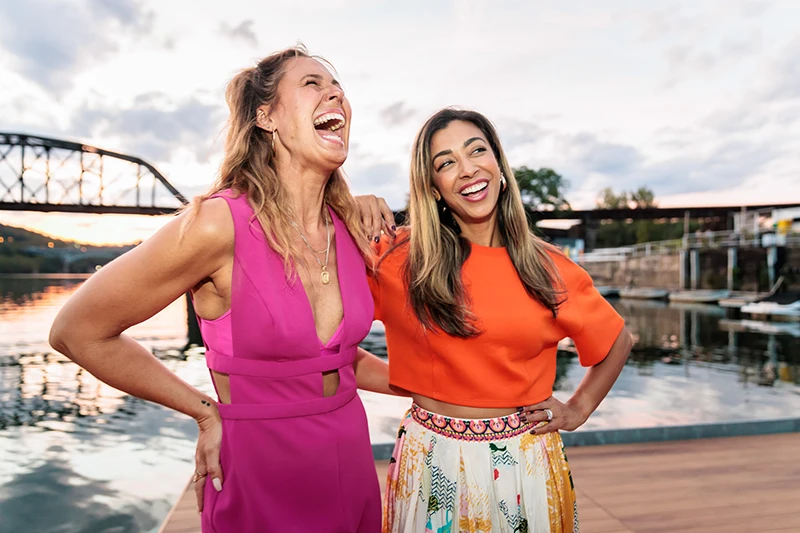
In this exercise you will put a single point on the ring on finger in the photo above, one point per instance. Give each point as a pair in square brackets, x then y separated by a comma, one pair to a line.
[549, 414]
[198, 476]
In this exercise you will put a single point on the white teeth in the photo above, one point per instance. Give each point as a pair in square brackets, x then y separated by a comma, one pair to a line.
[475, 188]
[334, 138]
[338, 117]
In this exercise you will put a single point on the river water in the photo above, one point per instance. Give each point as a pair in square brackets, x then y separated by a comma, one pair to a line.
[79, 456]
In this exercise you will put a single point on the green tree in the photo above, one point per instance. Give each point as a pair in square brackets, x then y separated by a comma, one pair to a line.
[608, 199]
[542, 188]
[620, 233]
[642, 198]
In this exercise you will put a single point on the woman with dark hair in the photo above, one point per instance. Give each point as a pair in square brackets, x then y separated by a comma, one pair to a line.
[274, 255]
[474, 305]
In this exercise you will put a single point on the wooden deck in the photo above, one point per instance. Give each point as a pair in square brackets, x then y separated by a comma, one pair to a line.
[731, 485]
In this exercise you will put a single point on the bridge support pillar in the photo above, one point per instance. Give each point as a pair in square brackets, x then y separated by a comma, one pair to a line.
[194, 336]
[772, 262]
[733, 263]
[694, 269]
[590, 228]
[684, 269]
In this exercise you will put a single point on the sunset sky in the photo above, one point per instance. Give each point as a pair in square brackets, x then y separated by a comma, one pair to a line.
[700, 101]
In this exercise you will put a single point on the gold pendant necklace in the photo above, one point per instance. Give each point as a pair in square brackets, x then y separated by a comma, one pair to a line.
[326, 276]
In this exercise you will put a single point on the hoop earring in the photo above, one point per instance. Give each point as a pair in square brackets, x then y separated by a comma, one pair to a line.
[503, 183]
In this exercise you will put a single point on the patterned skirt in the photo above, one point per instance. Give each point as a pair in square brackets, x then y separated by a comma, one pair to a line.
[451, 475]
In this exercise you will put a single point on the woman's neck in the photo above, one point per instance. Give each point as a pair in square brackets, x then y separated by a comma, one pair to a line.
[482, 233]
[306, 188]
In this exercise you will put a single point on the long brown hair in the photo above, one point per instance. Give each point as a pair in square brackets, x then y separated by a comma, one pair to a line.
[248, 165]
[437, 252]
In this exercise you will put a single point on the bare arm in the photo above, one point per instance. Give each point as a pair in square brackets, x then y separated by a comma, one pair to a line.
[592, 389]
[89, 328]
[599, 379]
[372, 374]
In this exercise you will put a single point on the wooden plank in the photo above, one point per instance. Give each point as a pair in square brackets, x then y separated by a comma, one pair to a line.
[738, 484]
[735, 485]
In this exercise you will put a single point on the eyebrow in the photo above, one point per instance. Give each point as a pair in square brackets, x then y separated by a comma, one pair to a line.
[466, 143]
[317, 77]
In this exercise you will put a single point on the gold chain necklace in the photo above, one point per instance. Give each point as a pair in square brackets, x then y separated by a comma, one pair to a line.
[326, 276]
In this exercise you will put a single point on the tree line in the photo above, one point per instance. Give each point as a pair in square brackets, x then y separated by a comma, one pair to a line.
[545, 189]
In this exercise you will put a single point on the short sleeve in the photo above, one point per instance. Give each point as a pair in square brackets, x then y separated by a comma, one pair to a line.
[375, 288]
[373, 276]
[586, 316]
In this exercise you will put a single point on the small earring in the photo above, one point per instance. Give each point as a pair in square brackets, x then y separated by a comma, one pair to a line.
[503, 183]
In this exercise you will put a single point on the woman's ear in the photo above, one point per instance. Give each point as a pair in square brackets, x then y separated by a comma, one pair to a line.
[264, 120]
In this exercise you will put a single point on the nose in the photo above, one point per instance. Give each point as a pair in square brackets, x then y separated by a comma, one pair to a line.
[335, 93]
[468, 168]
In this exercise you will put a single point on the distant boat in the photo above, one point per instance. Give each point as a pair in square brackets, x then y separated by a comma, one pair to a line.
[736, 302]
[770, 307]
[760, 326]
[608, 292]
[700, 296]
[740, 300]
[644, 293]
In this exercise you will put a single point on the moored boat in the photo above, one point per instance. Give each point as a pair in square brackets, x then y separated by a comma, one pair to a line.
[644, 293]
[699, 296]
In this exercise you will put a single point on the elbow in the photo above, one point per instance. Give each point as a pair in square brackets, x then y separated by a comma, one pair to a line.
[59, 336]
[627, 343]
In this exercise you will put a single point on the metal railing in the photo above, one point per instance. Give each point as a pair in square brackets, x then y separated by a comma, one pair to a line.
[693, 241]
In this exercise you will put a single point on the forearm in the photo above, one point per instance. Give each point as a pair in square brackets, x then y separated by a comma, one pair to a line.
[599, 379]
[372, 373]
[126, 365]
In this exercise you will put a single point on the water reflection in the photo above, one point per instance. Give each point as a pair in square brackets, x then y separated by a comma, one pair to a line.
[692, 365]
[77, 455]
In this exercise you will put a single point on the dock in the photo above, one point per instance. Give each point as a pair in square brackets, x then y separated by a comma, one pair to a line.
[732, 484]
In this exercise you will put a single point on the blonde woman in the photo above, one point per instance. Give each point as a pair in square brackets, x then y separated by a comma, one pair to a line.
[274, 257]
[474, 306]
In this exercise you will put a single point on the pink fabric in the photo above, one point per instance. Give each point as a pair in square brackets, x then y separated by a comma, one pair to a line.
[293, 460]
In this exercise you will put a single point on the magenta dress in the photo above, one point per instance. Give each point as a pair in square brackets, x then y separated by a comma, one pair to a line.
[293, 460]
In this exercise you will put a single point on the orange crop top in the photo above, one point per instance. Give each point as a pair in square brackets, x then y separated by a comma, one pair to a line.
[513, 362]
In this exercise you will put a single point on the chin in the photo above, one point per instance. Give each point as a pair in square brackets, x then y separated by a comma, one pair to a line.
[477, 217]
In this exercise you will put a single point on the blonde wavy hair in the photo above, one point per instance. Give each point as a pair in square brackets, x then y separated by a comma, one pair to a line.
[248, 166]
[437, 252]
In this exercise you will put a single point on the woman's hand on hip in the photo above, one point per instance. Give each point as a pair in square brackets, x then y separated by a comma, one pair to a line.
[376, 216]
[558, 415]
[206, 456]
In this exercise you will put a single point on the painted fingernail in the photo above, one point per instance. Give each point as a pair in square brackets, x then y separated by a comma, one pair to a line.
[394, 227]
[377, 239]
[519, 409]
[524, 419]
[217, 484]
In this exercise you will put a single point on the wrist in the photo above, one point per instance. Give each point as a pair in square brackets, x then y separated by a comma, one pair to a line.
[207, 410]
[579, 405]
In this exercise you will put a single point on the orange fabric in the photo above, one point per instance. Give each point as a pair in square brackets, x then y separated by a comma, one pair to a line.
[513, 362]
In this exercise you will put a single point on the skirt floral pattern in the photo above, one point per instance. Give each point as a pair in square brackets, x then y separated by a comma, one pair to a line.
[451, 475]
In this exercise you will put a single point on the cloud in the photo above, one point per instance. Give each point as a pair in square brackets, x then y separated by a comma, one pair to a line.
[51, 41]
[784, 81]
[583, 158]
[388, 180]
[604, 157]
[243, 31]
[155, 127]
[740, 120]
[396, 114]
